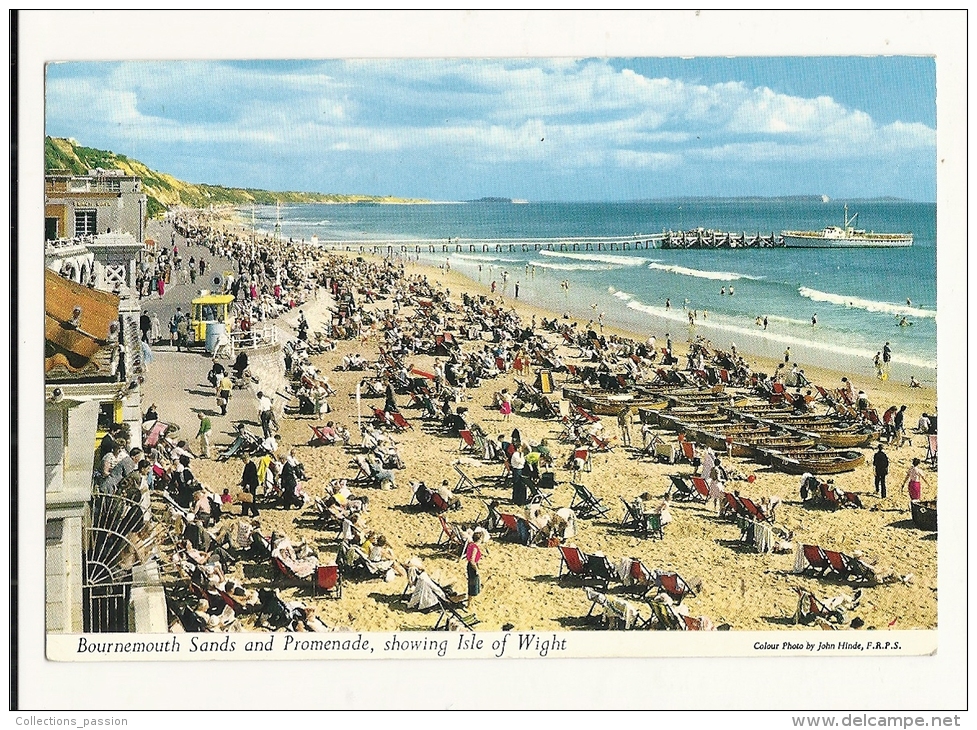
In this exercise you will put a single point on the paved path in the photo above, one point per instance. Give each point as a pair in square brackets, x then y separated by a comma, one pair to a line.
[177, 294]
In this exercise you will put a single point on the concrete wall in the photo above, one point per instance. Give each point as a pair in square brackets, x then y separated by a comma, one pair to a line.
[69, 442]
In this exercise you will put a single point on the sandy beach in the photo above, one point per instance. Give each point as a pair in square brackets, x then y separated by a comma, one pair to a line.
[738, 587]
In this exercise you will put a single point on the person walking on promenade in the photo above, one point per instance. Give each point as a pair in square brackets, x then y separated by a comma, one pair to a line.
[264, 413]
[224, 386]
[881, 463]
[203, 433]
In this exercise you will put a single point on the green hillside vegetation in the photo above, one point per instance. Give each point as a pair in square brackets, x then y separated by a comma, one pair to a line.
[164, 191]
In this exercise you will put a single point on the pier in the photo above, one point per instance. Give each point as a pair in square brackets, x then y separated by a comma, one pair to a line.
[698, 238]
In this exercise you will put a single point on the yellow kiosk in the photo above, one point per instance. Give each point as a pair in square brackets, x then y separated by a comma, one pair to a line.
[209, 309]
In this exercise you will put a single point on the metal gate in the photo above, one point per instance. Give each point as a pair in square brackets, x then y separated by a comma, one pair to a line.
[114, 541]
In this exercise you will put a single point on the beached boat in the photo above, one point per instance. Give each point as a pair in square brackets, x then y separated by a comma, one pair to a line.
[610, 404]
[924, 514]
[812, 461]
[845, 237]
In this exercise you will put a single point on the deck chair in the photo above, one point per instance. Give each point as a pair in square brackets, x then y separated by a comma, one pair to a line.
[537, 495]
[467, 440]
[688, 453]
[809, 608]
[641, 579]
[465, 482]
[399, 422]
[327, 579]
[651, 526]
[674, 586]
[454, 618]
[701, 489]
[236, 447]
[753, 509]
[364, 474]
[931, 450]
[732, 507]
[600, 444]
[835, 498]
[849, 568]
[811, 558]
[664, 617]
[585, 504]
[589, 568]
[523, 531]
[632, 518]
[319, 438]
[450, 537]
[681, 490]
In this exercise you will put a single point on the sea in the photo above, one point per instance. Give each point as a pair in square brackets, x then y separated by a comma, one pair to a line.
[862, 298]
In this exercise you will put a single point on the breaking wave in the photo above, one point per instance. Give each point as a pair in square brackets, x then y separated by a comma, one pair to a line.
[867, 304]
[714, 275]
[602, 258]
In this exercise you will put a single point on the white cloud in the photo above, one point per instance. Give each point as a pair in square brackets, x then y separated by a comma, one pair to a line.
[550, 112]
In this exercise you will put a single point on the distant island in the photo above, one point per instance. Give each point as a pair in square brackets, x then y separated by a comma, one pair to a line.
[491, 199]
[62, 155]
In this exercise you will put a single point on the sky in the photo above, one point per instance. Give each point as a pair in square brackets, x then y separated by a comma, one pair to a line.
[536, 129]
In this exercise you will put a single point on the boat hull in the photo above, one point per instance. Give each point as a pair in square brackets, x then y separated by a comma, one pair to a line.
[815, 240]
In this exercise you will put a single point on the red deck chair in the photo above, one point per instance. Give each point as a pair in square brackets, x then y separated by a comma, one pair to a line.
[450, 537]
[467, 440]
[573, 559]
[754, 510]
[779, 389]
[438, 504]
[838, 561]
[673, 585]
[701, 487]
[523, 530]
[500, 364]
[319, 438]
[872, 416]
[401, 423]
[327, 579]
[732, 506]
[816, 559]
[692, 623]
[688, 451]
[643, 580]
[724, 376]
[231, 601]
[380, 417]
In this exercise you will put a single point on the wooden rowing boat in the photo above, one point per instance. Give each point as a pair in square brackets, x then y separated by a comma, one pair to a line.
[813, 461]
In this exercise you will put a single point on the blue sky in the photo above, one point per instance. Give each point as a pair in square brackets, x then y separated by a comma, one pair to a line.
[540, 129]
